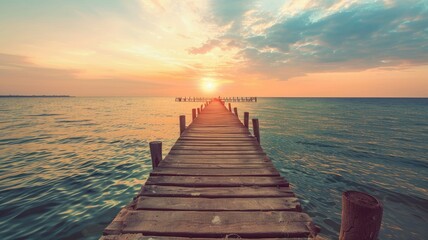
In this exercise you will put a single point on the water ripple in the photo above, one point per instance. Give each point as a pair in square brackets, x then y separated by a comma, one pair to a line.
[68, 166]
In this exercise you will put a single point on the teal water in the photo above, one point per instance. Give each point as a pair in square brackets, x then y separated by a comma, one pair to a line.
[67, 165]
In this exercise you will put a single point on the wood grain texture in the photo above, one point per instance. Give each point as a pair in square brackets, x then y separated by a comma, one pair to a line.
[220, 181]
[172, 164]
[139, 236]
[214, 172]
[218, 204]
[216, 192]
[217, 224]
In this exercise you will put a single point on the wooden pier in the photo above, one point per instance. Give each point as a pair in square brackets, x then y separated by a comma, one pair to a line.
[216, 182]
[224, 99]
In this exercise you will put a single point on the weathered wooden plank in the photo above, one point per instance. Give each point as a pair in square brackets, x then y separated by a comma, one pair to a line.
[215, 143]
[218, 204]
[220, 181]
[216, 135]
[217, 148]
[231, 137]
[219, 160]
[139, 236]
[215, 192]
[210, 152]
[228, 165]
[208, 139]
[217, 224]
[235, 131]
[219, 156]
[226, 128]
[161, 171]
[235, 125]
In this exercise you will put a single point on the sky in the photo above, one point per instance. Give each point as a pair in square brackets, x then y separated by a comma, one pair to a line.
[305, 48]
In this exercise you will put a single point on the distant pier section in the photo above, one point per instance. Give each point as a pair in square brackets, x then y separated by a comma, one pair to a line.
[224, 99]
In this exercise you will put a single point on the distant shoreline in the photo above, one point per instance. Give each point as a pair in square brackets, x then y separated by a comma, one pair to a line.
[34, 96]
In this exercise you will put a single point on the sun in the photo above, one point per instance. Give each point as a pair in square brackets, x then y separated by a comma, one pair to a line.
[208, 85]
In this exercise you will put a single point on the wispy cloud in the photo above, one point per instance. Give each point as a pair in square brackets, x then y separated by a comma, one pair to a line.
[18, 75]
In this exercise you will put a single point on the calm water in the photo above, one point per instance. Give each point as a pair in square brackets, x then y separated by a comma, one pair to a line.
[67, 165]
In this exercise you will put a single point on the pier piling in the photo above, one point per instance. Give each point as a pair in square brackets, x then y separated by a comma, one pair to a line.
[182, 123]
[361, 216]
[156, 153]
[256, 129]
[193, 114]
[246, 119]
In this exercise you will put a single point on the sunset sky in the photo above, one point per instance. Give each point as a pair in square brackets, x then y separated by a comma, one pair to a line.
[219, 47]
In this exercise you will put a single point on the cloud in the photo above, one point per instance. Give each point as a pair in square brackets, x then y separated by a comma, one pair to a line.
[325, 37]
[226, 11]
[223, 43]
[206, 47]
[18, 68]
[18, 75]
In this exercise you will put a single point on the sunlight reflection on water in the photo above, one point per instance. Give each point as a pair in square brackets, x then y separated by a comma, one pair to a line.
[327, 146]
[69, 164]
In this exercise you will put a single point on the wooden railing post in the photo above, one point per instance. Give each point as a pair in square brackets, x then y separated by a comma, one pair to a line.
[235, 110]
[246, 119]
[361, 216]
[156, 153]
[202, 107]
[199, 111]
[182, 123]
[230, 107]
[256, 129]
[193, 114]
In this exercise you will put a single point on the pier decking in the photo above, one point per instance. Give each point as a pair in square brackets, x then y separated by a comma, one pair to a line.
[216, 182]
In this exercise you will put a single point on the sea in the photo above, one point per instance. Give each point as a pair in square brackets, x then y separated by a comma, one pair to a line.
[68, 165]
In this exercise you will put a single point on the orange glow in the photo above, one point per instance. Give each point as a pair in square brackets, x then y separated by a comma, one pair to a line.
[171, 48]
[208, 85]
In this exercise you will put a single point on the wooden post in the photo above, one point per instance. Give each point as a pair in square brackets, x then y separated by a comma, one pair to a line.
[199, 111]
[202, 107]
[230, 107]
[156, 153]
[193, 113]
[256, 129]
[182, 123]
[235, 110]
[361, 216]
[246, 119]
